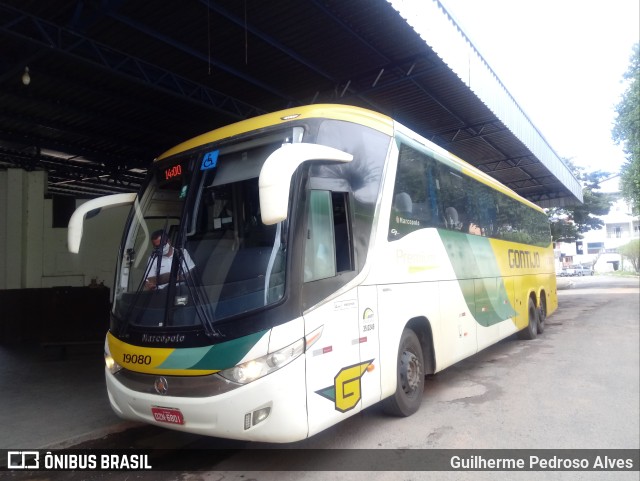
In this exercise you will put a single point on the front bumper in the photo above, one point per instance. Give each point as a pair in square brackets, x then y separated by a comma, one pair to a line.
[224, 415]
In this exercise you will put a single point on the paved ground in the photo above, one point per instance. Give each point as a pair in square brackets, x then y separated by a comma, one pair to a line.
[50, 401]
[55, 401]
[577, 386]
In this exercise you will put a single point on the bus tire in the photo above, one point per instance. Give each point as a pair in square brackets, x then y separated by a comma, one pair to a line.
[410, 377]
[531, 331]
[542, 315]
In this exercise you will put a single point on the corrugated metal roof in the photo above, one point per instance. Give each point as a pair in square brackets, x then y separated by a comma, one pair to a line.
[114, 84]
[431, 21]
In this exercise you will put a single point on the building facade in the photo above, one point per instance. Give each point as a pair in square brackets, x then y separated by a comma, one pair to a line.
[599, 248]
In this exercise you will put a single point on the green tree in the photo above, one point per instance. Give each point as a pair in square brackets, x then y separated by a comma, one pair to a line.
[626, 131]
[570, 222]
[631, 251]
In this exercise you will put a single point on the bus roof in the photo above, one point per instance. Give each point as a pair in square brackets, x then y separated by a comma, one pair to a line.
[347, 113]
[329, 111]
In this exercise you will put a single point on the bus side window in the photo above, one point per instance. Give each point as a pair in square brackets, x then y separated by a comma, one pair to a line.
[342, 232]
[454, 199]
[416, 194]
[320, 249]
[328, 248]
[482, 213]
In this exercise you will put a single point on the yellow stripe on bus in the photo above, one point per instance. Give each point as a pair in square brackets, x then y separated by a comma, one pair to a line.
[336, 112]
[147, 359]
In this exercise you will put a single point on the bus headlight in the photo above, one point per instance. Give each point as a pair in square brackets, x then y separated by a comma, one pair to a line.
[256, 368]
[111, 363]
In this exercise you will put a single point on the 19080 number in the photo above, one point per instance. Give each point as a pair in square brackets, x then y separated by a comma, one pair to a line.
[136, 359]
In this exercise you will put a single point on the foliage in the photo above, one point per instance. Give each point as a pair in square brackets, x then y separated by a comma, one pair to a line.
[570, 222]
[631, 251]
[562, 229]
[626, 130]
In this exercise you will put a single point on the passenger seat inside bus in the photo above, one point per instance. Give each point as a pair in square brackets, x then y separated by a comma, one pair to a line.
[451, 219]
[403, 204]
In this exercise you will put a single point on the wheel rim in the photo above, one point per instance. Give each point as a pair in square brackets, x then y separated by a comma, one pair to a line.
[410, 372]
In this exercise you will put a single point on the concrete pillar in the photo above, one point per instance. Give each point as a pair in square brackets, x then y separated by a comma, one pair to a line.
[13, 234]
[3, 229]
[33, 228]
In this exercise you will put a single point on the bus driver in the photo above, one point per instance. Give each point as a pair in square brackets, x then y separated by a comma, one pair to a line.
[160, 260]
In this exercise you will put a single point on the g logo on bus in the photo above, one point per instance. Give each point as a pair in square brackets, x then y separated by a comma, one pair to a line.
[161, 385]
[347, 385]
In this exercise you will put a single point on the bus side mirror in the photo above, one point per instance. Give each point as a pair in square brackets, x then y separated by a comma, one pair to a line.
[74, 233]
[276, 173]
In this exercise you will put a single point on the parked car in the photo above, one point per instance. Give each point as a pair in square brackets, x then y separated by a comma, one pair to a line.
[583, 270]
[578, 270]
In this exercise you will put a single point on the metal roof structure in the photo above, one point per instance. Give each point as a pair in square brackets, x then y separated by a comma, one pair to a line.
[112, 84]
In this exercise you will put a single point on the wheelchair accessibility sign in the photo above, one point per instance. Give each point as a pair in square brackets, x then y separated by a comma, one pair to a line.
[210, 160]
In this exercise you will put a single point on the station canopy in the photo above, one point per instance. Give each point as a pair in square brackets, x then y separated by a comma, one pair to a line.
[92, 91]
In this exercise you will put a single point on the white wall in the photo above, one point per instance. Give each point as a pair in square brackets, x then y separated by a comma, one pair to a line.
[33, 254]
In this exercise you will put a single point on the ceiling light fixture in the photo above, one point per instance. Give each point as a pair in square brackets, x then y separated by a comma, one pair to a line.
[26, 78]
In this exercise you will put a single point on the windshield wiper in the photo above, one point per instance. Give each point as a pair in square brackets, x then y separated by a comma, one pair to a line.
[197, 293]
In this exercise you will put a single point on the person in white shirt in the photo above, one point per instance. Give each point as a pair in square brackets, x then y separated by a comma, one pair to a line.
[163, 250]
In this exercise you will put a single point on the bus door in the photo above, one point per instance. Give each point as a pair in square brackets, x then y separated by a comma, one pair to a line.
[333, 363]
[506, 301]
[369, 341]
[458, 325]
[486, 315]
[334, 366]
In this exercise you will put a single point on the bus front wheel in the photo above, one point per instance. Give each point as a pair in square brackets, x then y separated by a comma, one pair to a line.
[542, 315]
[531, 331]
[410, 377]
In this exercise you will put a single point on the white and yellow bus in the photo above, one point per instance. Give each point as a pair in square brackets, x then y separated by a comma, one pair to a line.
[320, 260]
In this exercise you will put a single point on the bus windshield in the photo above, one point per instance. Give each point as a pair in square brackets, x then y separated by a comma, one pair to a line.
[196, 251]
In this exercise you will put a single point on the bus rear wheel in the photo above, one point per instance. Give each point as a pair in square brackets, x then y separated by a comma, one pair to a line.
[410, 377]
[531, 331]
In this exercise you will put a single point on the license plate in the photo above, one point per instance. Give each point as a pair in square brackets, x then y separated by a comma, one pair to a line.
[167, 415]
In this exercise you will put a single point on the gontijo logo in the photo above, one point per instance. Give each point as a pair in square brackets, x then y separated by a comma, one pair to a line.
[346, 389]
[519, 259]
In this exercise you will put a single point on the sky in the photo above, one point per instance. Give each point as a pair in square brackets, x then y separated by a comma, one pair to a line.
[563, 61]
